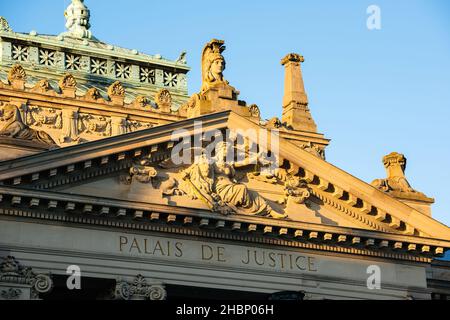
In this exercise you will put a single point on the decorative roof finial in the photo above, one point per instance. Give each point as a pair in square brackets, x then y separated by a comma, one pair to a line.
[4, 25]
[77, 20]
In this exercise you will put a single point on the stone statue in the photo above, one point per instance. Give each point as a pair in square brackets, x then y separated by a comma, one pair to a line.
[396, 181]
[15, 128]
[216, 94]
[214, 182]
[213, 64]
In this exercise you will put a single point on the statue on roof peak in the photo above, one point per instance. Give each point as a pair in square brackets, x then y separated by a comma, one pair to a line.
[77, 20]
[213, 64]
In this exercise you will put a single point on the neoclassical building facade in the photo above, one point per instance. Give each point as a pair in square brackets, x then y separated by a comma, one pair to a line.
[116, 184]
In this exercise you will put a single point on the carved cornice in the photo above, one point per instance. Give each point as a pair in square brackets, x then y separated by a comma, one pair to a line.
[68, 81]
[135, 108]
[178, 220]
[340, 206]
[396, 183]
[17, 72]
[374, 210]
[357, 193]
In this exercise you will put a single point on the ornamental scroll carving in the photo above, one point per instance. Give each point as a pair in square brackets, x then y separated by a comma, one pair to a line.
[143, 172]
[139, 289]
[296, 190]
[313, 149]
[15, 279]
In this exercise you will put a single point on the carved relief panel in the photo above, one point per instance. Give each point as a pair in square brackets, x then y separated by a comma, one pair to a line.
[137, 125]
[47, 118]
[89, 124]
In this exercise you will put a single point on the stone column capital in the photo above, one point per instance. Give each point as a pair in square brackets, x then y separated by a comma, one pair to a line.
[139, 289]
[21, 283]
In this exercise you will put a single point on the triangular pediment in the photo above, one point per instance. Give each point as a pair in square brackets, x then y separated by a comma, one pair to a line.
[100, 168]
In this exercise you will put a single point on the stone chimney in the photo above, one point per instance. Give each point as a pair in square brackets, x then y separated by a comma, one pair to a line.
[295, 102]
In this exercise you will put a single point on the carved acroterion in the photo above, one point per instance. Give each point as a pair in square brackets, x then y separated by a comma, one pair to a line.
[42, 86]
[116, 93]
[395, 165]
[398, 186]
[68, 85]
[17, 76]
[163, 100]
[93, 94]
[141, 102]
[4, 25]
[213, 64]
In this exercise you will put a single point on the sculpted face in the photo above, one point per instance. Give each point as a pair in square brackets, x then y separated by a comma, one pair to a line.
[9, 112]
[204, 169]
[218, 66]
[221, 153]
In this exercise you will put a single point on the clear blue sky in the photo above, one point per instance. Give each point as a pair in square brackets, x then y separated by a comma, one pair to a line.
[371, 92]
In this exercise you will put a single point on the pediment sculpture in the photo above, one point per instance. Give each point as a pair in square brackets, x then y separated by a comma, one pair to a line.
[223, 186]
